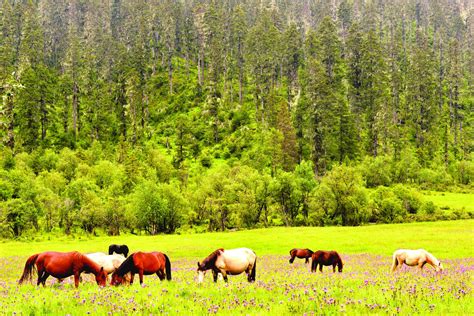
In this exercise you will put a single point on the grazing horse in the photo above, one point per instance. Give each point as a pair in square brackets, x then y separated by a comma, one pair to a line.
[110, 263]
[120, 249]
[143, 263]
[300, 253]
[326, 258]
[62, 265]
[232, 261]
[412, 258]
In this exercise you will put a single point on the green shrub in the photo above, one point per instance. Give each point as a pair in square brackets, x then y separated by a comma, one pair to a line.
[376, 171]
[411, 199]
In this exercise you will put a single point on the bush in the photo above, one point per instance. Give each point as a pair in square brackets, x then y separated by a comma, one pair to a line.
[386, 206]
[463, 171]
[428, 208]
[350, 200]
[206, 161]
[376, 171]
[411, 199]
[157, 208]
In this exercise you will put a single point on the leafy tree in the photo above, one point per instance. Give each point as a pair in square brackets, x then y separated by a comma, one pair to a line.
[346, 186]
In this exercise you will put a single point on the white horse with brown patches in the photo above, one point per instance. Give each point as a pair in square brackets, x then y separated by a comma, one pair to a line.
[232, 261]
[109, 262]
[412, 258]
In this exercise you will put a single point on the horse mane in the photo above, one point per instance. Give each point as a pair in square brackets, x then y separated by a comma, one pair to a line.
[90, 264]
[126, 266]
[430, 257]
[211, 259]
[311, 251]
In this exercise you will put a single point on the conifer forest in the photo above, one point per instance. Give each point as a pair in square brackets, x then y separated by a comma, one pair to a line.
[169, 116]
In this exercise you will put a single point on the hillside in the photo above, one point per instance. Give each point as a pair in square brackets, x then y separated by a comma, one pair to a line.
[162, 116]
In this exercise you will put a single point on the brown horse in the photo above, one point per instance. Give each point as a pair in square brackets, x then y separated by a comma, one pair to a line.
[143, 263]
[300, 253]
[62, 265]
[326, 258]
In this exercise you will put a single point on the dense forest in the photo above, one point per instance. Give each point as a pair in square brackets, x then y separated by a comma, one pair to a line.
[157, 116]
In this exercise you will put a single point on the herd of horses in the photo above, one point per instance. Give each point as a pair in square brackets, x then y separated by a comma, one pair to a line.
[221, 261]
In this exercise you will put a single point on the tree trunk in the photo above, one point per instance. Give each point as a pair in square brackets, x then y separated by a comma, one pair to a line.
[44, 118]
[75, 108]
[11, 121]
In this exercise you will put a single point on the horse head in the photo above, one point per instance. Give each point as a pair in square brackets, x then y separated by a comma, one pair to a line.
[439, 267]
[116, 279]
[101, 277]
[201, 270]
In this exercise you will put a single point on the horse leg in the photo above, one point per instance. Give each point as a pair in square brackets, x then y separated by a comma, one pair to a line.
[214, 275]
[421, 265]
[160, 274]
[334, 268]
[140, 275]
[43, 279]
[224, 275]
[321, 267]
[40, 275]
[76, 279]
[132, 275]
[307, 260]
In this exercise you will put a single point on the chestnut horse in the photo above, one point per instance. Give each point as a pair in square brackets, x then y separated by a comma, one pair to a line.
[412, 258]
[62, 265]
[143, 263]
[119, 249]
[326, 258]
[232, 261]
[300, 253]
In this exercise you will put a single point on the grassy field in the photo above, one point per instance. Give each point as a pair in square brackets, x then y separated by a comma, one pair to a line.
[366, 285]
[451, 201]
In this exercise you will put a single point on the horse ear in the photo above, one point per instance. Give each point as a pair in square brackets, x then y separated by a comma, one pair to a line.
[101, 269]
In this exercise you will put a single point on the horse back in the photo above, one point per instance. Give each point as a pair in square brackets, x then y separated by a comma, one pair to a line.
[149, 262]
[236, 261]
[326, 257]
[59, 264]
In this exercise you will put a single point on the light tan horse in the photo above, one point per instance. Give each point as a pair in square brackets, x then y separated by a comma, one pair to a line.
[232, 261]
[412, 258]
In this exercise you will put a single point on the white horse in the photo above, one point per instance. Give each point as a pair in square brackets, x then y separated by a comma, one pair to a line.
[233, 262]
[418, 257]
[109, 262]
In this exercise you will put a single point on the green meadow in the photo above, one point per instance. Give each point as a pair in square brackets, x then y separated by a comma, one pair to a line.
[450, 200]
[365, 286]
[448, 239]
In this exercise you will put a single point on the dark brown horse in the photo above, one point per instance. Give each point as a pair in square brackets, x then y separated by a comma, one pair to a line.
[119, 249]
[326, 258]
[143, 263]
[300, 253]
[62, 265]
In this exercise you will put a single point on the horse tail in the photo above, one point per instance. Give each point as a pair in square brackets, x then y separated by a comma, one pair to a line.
[167, 267]
[314, 264]
[395, 262]
[29, 267]
[254, 271]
